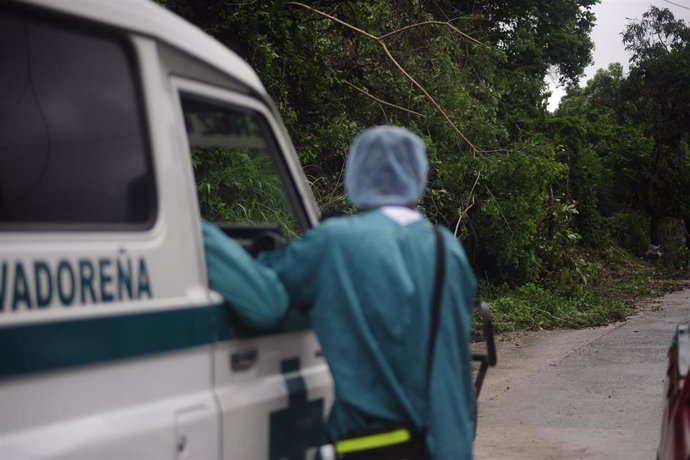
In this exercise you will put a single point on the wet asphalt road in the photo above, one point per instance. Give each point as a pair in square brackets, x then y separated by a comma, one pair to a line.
[583, 394]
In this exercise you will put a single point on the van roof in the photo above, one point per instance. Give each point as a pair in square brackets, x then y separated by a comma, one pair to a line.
[148, 18]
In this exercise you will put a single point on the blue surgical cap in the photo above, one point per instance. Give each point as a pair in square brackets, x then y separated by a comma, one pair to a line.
[387, 165]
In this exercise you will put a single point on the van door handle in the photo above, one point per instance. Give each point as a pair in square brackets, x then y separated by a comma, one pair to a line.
[241, 360]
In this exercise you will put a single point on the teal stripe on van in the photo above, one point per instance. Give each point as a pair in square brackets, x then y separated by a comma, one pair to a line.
[46, 346]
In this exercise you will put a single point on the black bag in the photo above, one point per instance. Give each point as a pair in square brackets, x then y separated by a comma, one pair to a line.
[400, 440]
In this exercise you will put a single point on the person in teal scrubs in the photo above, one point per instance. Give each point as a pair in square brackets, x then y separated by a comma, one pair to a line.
[368, 281]
[252, 290]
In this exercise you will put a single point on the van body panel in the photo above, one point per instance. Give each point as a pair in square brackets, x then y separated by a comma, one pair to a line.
[147, 18]
[113, 345]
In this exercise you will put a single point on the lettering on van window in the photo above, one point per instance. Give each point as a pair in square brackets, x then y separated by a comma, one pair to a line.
[227, 124]
[38, 284]
[213, 128]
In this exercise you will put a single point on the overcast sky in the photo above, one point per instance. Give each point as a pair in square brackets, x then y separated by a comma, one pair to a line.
[611, 18]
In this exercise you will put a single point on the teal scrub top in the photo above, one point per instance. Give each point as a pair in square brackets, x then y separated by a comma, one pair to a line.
[369, 282]
[253, 290]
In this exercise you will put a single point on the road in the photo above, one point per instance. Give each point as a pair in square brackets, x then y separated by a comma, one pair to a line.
[582, 394]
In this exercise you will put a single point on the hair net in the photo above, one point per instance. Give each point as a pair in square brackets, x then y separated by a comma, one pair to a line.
[387, 165]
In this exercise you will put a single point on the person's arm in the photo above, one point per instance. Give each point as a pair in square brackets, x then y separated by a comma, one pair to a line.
[253, 290]
[298, 265]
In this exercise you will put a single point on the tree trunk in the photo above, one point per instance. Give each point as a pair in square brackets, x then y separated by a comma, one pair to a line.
[654, 220]
[654, 213]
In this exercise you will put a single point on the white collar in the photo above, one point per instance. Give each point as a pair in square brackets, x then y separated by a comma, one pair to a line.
[401, 215]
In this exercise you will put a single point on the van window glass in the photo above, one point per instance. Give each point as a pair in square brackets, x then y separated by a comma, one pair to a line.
[238, 174]
[73, 145]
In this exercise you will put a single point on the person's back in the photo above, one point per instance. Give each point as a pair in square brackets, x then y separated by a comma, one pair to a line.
[369, 280]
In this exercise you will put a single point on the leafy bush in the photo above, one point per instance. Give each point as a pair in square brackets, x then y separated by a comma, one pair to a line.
[630, 229]
[240, 186]
[534, 307]
[674, 251]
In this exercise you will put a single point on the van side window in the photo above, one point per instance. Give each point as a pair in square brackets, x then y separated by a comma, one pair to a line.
[73, 146]
[239, 177]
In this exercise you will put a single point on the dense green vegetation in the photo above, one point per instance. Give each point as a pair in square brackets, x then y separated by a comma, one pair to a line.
[241, 186]
[555, 209]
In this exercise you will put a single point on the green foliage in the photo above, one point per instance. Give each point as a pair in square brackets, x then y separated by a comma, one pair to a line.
[533, 307]
[658, 99]
[241, 187]
[538, 199]
[606, 156]
[559, 247]
[630, 229]
[514, 201]
[612, 285]
[672, 237]
[675, 256]
[537, 34]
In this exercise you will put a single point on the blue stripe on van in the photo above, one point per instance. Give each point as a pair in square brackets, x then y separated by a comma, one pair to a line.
[46, 346]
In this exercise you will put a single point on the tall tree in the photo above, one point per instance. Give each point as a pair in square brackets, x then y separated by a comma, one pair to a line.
[607, 156]
[658, 95]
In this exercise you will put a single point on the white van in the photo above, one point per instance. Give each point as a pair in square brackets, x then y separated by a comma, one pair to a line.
[112, 345]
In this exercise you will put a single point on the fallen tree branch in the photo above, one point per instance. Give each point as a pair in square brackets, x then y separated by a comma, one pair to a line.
[425, 92]
[499, 208]
[334, 19]
[380, 41]
[440, 23]
[462, 213]
[380, 101]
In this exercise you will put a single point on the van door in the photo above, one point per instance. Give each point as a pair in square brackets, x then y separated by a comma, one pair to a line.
[105, 343]
[273, 387]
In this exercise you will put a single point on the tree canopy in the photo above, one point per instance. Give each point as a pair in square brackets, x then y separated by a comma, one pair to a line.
[658, 98]
[533, 195]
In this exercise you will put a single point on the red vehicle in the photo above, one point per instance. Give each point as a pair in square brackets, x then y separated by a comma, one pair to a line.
[675, 425]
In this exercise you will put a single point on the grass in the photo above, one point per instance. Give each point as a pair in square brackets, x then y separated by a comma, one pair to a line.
[608, 295]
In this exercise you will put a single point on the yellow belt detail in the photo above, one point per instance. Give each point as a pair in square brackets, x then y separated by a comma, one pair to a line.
[372, 441]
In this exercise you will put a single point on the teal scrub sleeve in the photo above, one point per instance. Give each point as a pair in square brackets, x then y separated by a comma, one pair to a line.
[299, 265]
[253, 290]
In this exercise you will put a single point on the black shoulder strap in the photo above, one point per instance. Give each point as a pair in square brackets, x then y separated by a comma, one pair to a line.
[435, 305]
